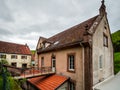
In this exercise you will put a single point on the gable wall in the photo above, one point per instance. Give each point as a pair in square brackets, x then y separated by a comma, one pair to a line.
[105, 52]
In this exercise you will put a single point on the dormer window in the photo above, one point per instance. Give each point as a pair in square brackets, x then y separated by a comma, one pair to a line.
[56, 42]
[46, 45]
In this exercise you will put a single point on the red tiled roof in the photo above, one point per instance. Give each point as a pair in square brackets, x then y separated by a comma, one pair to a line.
[70, 36]
[48, 83]
[13, 48]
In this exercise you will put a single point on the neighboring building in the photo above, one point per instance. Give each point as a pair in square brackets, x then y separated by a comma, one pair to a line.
[16, 54]
[33, 59]
[84, 53]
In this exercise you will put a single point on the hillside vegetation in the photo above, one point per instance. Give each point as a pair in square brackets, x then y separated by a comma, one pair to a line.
[117, 62]
[32, 51]
[116, 45]
[116, 41]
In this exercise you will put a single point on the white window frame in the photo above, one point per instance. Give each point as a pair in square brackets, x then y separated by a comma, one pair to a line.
[13, 56]
[3, 56]
[71, 62]
[23, 57]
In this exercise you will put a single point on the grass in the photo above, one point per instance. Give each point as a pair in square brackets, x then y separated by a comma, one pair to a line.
[117, 62]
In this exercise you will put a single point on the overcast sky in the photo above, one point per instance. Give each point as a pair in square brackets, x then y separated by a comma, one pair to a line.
[24, 21]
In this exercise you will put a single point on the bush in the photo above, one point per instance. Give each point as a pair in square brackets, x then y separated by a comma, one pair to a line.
[117, 62]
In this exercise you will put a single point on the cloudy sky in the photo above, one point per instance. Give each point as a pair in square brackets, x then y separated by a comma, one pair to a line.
[24, 21]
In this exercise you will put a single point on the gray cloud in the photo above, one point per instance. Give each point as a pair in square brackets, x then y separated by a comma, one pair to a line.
[4, 32]
[5, 13]
[23, 21]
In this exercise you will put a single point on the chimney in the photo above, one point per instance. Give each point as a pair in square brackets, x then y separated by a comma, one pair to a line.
[102, 10]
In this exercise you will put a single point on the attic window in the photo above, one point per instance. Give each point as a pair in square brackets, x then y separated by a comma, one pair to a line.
[56, 42]
[105, 40]
[105, 27]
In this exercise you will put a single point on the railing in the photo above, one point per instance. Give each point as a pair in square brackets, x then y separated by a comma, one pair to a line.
[31, 72]
[40, 70]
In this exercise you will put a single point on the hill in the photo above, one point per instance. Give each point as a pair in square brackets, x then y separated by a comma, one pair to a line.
[116, 45]
[116, 41]
[116, 62]
[33, 52]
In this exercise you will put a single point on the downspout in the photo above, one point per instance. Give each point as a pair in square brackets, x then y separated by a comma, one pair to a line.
[83, 64]
[88, 68]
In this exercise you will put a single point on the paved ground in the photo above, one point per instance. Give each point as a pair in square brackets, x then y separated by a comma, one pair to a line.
[112, 84]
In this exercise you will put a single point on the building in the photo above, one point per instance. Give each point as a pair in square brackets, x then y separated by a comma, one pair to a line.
[84, 53]
[16, 54]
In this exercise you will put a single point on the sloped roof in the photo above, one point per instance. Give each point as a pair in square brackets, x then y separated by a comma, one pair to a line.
[13, 48]
[49, 83]
[70, 36]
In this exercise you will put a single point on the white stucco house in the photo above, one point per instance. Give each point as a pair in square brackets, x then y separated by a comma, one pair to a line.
[17, 55]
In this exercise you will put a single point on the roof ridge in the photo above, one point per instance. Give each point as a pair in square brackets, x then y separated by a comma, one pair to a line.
[14, 48]
[72, 27]
[13, 43]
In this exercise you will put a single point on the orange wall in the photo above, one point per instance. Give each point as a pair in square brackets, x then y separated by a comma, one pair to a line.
[61, 64]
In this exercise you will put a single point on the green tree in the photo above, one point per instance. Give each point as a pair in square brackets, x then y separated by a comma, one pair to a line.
[6, 81]
[116, 41]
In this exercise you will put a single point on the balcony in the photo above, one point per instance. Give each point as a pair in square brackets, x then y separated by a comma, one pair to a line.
[20, 73]
[32, 72]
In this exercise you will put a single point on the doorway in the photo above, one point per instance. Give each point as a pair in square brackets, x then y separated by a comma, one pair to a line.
[53, 63]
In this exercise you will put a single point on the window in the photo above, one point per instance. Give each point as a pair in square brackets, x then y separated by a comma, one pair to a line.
[71, 86]
[23, 57]
[105, 40]
[24, 65]
[53, 61]
[2, 56]
[42, 61]
[100, 62]
[14, 64]
[71, 62]
[13, 56]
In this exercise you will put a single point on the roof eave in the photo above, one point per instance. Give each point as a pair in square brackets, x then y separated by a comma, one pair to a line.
[65, 46]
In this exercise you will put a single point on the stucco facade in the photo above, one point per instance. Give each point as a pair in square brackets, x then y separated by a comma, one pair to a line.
[105, 53]
[18, 61]
[61, 64]
[17, 55]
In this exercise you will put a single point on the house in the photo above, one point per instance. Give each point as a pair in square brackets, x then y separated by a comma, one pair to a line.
[33, 59]
[84, 53]
[16, 54]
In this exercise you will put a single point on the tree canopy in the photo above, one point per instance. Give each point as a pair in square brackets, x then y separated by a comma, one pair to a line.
[116, 41]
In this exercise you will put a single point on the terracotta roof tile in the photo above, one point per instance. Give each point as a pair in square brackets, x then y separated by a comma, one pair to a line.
[13, 48]
[48, 83]
[70, 35]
